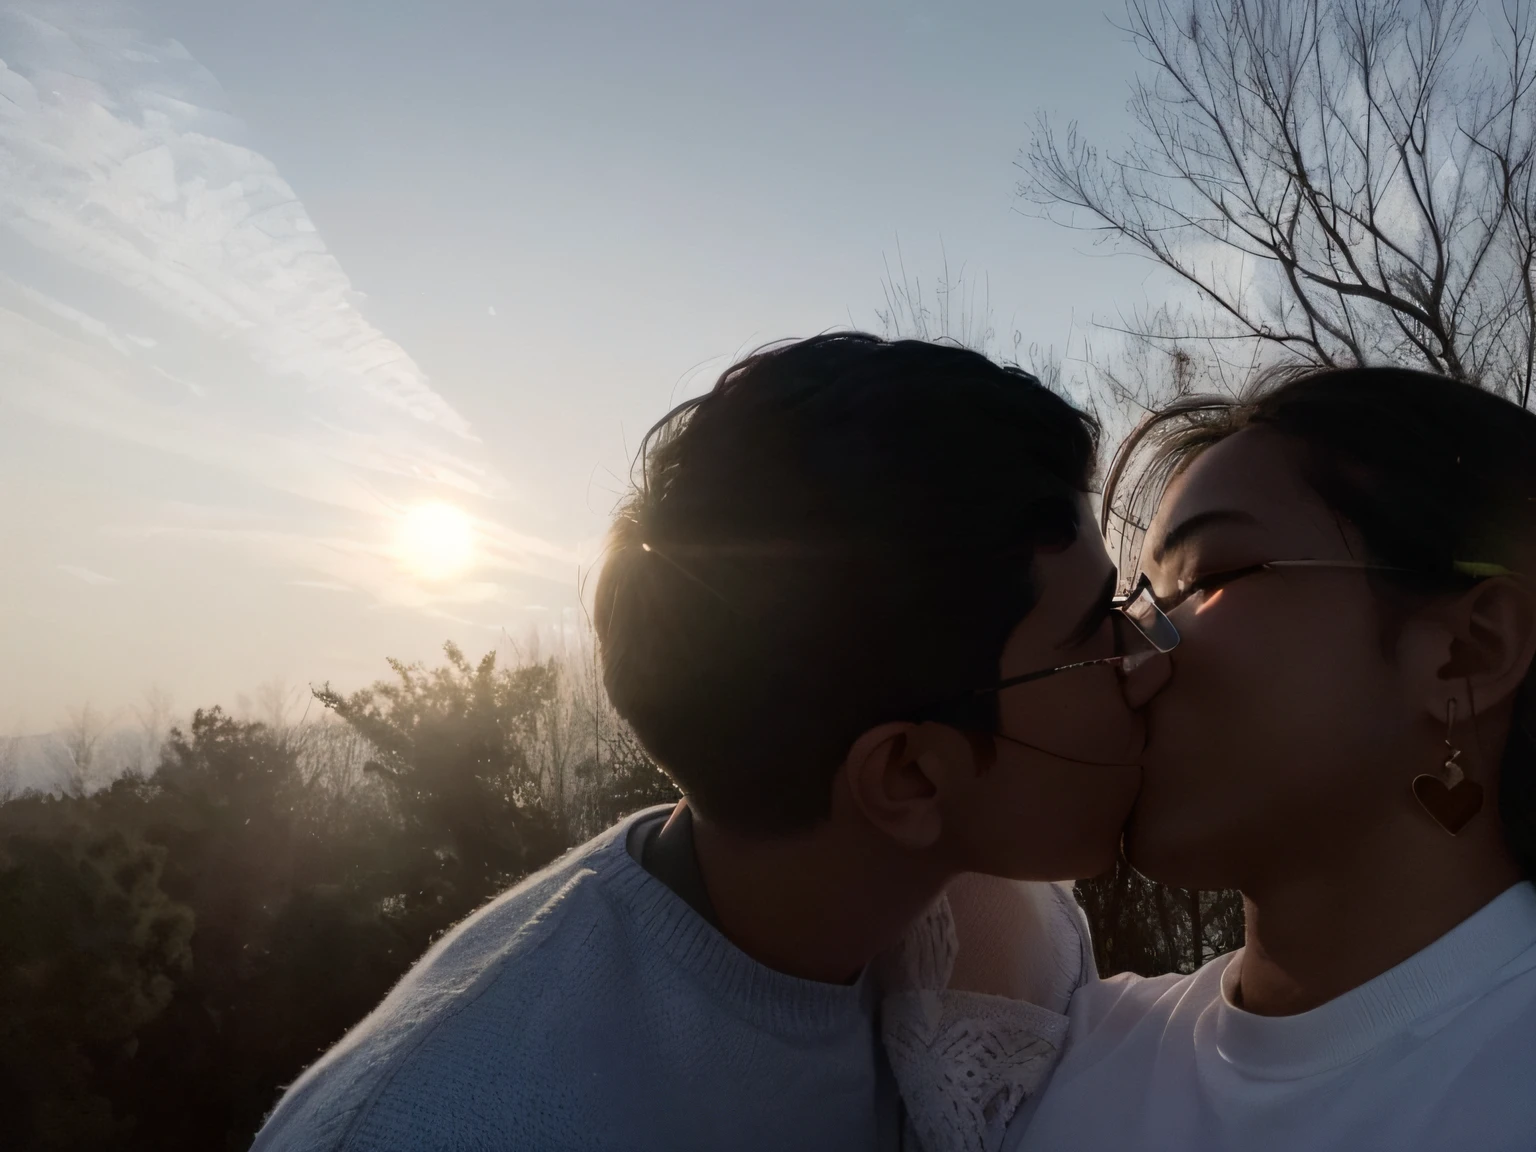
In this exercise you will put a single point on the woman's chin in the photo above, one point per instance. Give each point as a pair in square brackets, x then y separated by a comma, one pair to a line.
[1160, 851]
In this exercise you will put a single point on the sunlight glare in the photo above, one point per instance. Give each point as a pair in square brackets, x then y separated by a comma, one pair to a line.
[1209, 600]
[435, 541]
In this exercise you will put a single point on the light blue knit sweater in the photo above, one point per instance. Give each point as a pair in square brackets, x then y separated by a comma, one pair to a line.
[589, 1009]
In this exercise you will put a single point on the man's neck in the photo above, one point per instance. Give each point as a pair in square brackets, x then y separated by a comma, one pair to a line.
[819, 906]
[1330, 926]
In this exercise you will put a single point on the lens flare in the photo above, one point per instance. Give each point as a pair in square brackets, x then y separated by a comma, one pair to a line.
[1209, 599]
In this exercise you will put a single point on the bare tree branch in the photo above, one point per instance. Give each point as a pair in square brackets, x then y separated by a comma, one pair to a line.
[1339, 181]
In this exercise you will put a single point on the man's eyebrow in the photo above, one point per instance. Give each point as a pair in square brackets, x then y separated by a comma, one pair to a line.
[1097, 610]
[1179, 536]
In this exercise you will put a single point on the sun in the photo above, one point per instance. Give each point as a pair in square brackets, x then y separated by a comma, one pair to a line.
[435, 541]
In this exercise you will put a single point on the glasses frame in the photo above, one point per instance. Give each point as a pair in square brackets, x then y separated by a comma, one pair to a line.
[1467, 569]
[1170, 604]
[1162, 606]
[1141, 594]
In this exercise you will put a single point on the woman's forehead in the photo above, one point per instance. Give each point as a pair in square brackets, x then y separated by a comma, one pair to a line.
[1254, 474]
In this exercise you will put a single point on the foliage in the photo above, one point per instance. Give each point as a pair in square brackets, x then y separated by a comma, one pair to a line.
[90, 955]
[451, 750]
[228, 806]
[178, 946]
[621, 778]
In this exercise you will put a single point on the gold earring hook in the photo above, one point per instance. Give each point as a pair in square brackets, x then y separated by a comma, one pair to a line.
[1450, 800]
[1454, 774]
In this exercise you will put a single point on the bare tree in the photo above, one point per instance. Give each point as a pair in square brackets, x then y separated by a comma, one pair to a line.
[275, 703]
[155, 718]
[947, 312]
[10, 755]
[332, 760]
[81, 736]
[1339, 181]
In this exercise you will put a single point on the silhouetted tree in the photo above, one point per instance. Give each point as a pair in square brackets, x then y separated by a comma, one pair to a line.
[1339, 182]
[469, 814]
[91, 950]
[620, 778]
[1145, 927]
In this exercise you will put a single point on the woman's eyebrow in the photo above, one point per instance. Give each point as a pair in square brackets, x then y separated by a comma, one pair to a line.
[1092, 618]
[1181, 535]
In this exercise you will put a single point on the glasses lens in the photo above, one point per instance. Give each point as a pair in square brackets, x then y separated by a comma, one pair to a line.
[1148, 619]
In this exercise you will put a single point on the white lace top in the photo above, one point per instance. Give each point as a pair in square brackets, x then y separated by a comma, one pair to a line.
[965, 1059]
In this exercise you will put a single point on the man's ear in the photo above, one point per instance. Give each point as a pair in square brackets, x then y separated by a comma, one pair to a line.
[1483, 641]
[899, 776]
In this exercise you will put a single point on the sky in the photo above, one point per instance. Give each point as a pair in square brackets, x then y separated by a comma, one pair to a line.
[328, 331]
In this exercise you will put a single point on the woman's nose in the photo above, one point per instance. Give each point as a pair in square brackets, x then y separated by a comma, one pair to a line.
[1143, 676]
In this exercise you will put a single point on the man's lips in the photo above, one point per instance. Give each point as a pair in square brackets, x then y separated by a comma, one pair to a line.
[1135, 660]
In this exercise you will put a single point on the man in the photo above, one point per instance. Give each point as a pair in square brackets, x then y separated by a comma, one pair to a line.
[830, 562]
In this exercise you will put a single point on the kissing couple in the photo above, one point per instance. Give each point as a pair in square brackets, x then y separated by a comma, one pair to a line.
[858, 607]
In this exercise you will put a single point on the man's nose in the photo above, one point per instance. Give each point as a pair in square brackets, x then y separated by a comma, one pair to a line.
[1143, 675]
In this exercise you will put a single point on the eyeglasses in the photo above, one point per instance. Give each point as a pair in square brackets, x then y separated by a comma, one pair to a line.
[1145, 616]
[1136, 618]
[1147, 613]
[1218, 580]
[1470, 569]
[1138, 622]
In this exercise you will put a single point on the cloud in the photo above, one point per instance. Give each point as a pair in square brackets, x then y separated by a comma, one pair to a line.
[86, 574]
[112, 160]
[165, 287]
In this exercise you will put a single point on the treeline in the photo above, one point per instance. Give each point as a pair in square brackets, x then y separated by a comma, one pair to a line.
[177, 946]
[1145, 927]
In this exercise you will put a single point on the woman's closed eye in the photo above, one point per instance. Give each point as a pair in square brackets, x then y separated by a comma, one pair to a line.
[1203, 590]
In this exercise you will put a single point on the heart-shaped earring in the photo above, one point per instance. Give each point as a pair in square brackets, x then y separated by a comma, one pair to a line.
[1450, 807]
[1453, 801]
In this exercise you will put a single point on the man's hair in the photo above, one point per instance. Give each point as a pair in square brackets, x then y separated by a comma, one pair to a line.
[840, 531]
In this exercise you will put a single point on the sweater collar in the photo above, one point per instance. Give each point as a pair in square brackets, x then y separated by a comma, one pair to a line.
[1463, 964]
[666, 852]
[772, 1000]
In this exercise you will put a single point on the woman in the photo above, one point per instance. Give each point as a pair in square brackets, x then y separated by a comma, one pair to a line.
[1346, 733]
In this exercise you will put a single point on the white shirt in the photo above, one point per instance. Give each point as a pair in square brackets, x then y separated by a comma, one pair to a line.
[1437, 1053]
[972, 1027]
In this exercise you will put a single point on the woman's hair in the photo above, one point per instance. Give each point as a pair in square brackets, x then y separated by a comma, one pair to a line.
[842, 530]
[1435, 476]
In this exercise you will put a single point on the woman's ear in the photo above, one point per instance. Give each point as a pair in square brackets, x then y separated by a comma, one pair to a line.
[1483, 642]
[899, 776]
